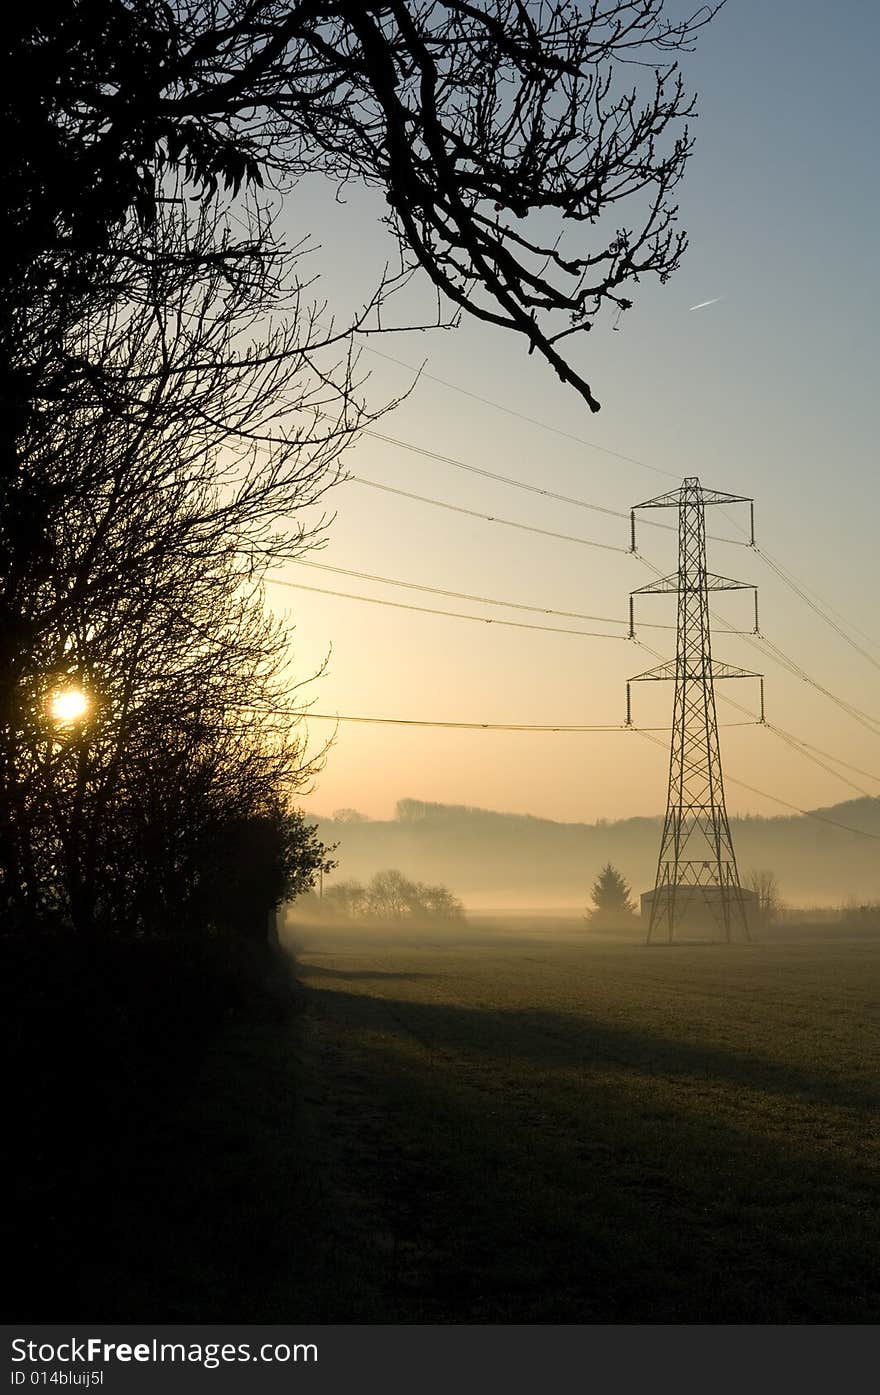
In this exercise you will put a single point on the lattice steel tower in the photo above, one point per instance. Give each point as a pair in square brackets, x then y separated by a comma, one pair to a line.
[696, 872]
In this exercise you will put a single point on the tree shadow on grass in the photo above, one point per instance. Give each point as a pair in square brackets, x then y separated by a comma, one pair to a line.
[544, 1038]
[310, 971]
[544, 1194]
[379, 1160]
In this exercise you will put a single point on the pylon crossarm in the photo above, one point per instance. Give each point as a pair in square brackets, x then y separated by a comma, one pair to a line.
[663, 586]
[721, 670]
[674, 497]
[699, 672]
[715, 496]
[671, 500]
[670, 585]
[726, 583]
[659, 674]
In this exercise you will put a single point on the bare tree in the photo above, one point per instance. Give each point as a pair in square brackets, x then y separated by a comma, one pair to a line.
[766, 888]
[436, 903]
[392, 896]
[508, 137]
[347, 899]
[169, 405]
[163, 482]
[388, 895]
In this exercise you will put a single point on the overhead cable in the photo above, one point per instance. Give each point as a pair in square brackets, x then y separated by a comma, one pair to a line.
[857, 769]
[487, 726]
[802, 747]
[802, 750]
[486, 517]
[821, 607]
[451, 614]
[817, 609]
[467, 596]
[773, 651]
[529, 488]
[789, 579]
[770, 650]
[807, 813]
[520, 416]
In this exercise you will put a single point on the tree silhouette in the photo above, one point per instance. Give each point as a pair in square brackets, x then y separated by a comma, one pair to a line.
[166, 395]
[390, 896]
[507, 138]
[611, 897]
[155, 486]
[768, 902]
[346, 899]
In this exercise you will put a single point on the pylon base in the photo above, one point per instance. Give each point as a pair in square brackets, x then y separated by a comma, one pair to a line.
[698, 912]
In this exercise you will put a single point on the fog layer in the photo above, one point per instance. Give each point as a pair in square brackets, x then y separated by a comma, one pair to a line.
[497, 860]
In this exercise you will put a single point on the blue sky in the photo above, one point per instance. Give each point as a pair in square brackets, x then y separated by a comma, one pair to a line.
[769, 392]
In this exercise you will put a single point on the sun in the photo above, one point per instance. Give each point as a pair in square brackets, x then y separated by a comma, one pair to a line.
[69, 705]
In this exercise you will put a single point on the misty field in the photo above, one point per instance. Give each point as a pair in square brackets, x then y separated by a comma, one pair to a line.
[508, 1123]
[529, 1127]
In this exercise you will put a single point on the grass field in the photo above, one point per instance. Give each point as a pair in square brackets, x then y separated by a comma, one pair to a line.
[510, 1125]
[527, 1127]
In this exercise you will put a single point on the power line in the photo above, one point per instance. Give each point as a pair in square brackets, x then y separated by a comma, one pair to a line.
[451, 614]
[486, 517]
[524, 485]
[823, 608]
[499, 479]
[803, 747]
[799, 589]
[807, 813]
[770, 650]
[787, 737]
[810, 753]
[647, 732]
[807, 754]
[817, 609]
[789, 578]
[785, 575]
[773, 651]
[520, 416]
[488, 726]
[857, 769]
[466, 596]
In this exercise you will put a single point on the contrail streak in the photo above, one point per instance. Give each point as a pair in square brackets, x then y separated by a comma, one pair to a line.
[703, 303]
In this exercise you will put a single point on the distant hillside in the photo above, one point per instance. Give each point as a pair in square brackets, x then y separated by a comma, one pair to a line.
[504, 860]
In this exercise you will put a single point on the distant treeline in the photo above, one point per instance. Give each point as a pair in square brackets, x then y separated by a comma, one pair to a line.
[388, 896]
[520, 858]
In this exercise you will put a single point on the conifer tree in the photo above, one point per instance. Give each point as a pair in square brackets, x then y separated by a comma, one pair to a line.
[611, 896]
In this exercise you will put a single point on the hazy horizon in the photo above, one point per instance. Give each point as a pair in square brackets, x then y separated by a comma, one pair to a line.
[498, 860]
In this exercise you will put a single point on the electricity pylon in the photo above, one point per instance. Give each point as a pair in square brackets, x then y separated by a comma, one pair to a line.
[697, 863]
